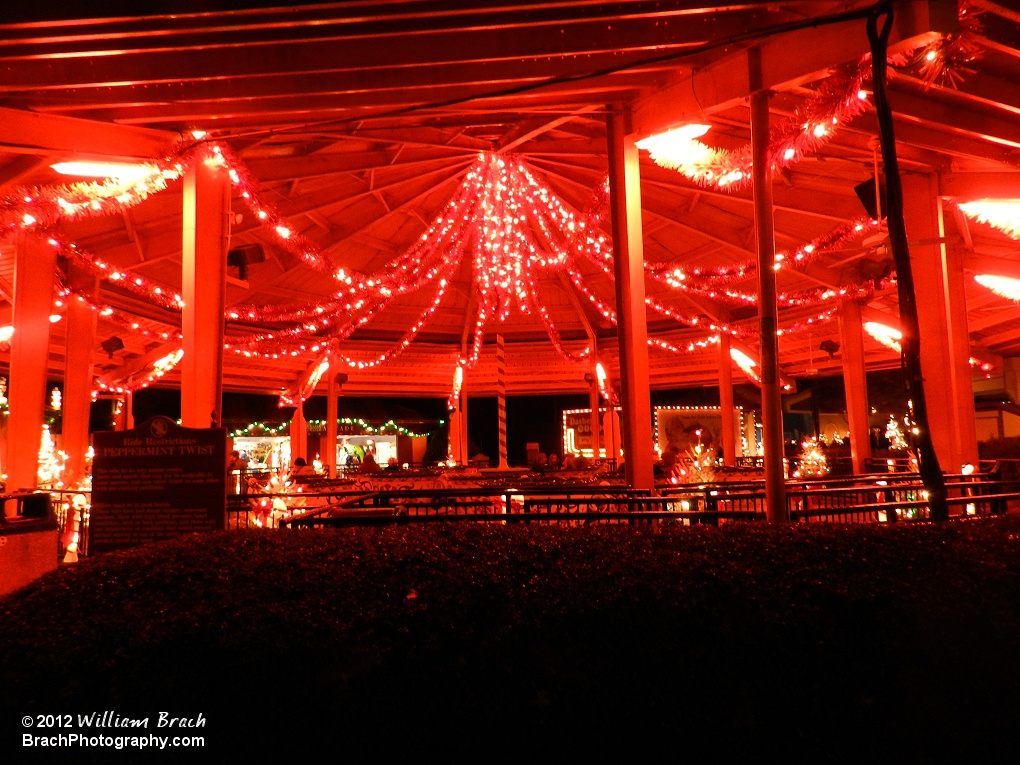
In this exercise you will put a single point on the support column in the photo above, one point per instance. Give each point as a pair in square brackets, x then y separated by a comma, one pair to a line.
[457, 448]
[329, 456]
[855, 383]
[120, 407]
[501, 398]
[204, 263]
[726, 432]
[129, 410]
[944, 334]
[594, 399]
[454, 446]
[768, 318]
[465, 443]
[76, 401]
[298, 434]
[34, 264]
[628, 268]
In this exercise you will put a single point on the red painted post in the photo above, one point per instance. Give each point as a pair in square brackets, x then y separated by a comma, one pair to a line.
[206, 232]
[628, 256]
[771, 401]
[34, 264]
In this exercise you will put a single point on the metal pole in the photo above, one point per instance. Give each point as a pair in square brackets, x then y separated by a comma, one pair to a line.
[910, 343]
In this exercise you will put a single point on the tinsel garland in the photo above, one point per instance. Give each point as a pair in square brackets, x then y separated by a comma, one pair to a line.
[839, 98]
[112, 315]
[126, 279]
[160, 367]
[704, 279]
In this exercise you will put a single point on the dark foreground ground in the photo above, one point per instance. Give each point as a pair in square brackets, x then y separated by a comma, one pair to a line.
[505, 643]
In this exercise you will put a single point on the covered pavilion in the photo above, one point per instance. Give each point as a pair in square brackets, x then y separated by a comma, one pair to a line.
[438, 198]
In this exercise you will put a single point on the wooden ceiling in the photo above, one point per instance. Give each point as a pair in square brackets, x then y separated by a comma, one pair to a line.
[359, 121]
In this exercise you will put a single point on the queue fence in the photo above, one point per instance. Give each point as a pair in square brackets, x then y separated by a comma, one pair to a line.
[869, 498]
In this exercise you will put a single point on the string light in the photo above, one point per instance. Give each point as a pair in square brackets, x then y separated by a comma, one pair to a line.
[504, 221]
[158, 369]
[390, 427]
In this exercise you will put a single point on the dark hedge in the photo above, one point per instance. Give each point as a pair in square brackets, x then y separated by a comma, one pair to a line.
[496, 643]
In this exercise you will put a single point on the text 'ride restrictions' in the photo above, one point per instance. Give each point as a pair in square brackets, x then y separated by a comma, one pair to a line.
[111, 730]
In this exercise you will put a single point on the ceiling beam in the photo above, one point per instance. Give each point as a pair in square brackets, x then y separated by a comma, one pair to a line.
[525, 131]
[29, 133]
[312, 85]
[19, 168]
[216, 54]
[970, 123]
[971, 186]
[914, 134]
[994, 266]
[137, 365]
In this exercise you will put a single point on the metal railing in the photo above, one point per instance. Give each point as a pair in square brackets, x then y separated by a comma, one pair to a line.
[871, 498]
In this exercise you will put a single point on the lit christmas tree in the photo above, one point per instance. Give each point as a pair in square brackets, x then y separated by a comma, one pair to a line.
[697, 464]
[895, 435]
[51, 462]
[811, 461]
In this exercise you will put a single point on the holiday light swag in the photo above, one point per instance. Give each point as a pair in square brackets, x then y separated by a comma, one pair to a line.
[839, 98]
[65, 295]
[159, 368]
[511, 228]
[714, 280]
[388, 427]
[503, 220]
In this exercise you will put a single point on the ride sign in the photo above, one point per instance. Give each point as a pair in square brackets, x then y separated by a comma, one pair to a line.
[156, 481]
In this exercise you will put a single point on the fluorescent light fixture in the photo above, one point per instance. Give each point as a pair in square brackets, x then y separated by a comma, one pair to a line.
[116, 170]
[680, 150]
[1003, 214]
[675, 137]
[744, 361]
[1000, 285]
[887, 336]
[168, 362]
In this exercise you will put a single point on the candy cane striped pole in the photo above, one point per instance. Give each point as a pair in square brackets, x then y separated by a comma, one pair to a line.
[501, 398]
